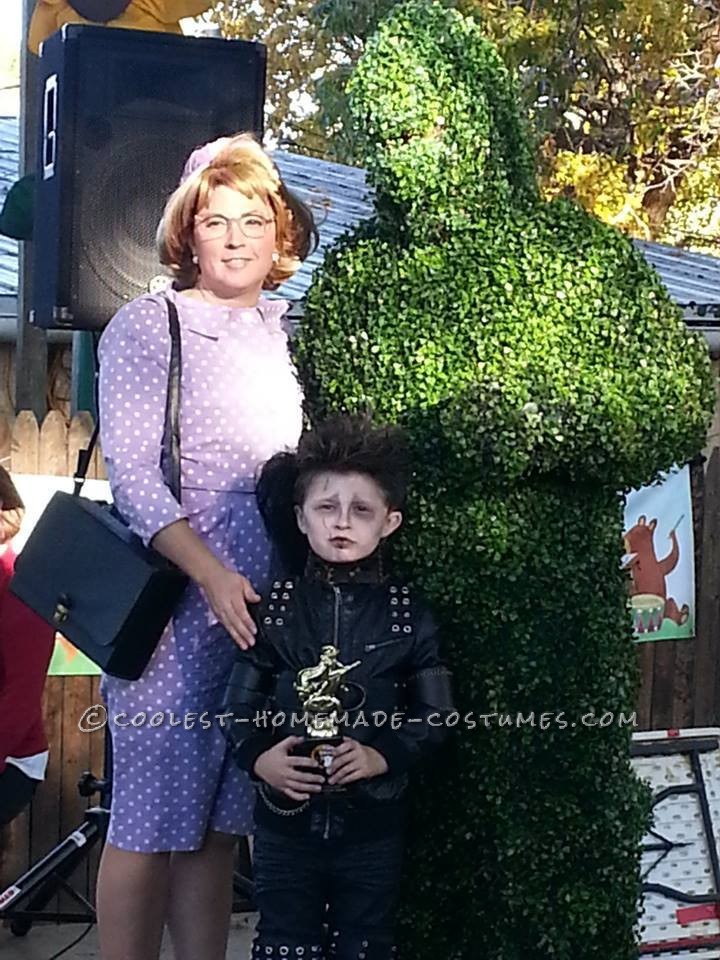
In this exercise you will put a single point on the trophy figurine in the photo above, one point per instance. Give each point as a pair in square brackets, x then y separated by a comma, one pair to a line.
[318, 688]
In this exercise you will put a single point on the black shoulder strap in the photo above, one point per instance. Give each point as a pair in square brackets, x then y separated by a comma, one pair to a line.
[170, 456]
[170, 459]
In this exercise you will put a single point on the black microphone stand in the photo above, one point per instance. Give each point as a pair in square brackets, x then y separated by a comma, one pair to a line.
[23, 902]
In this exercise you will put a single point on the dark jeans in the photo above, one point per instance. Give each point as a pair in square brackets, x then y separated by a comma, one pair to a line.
[16, 792]
[306, 882]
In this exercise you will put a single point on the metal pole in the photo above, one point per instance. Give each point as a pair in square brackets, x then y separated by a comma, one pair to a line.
[82, 394]
[31, 357]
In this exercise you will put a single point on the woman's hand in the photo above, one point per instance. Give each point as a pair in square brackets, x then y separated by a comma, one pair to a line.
[288, 774]
[228, 594]
[355, 761]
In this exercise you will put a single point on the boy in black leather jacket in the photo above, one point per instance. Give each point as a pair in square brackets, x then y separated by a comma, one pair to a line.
[328, 856]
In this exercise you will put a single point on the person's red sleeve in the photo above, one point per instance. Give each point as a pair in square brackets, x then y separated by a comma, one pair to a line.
[26, 645]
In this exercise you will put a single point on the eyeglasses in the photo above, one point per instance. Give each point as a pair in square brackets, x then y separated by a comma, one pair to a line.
[215, 226]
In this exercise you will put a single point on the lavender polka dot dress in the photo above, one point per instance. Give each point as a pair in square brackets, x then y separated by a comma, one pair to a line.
[241, 403]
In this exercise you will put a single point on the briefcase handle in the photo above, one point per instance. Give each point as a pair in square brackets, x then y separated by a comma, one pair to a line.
[170, 458]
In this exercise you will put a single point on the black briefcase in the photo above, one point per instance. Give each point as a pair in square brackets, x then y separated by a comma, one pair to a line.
[84, 571]
[88, 575]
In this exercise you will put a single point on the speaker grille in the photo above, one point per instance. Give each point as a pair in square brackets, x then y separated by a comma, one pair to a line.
[132, 106]
[133, 176]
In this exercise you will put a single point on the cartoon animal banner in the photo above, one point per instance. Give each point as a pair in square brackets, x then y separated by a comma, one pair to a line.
[36, 491]
[659, 555]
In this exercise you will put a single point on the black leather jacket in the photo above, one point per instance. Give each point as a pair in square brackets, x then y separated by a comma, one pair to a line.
[367, 617]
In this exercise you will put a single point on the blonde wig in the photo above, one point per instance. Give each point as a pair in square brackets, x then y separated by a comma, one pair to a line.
[238, 162]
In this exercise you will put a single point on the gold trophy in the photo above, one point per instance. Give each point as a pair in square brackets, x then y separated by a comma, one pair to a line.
[318, 689]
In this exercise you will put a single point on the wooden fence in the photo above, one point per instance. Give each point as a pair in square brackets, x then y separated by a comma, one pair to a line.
[58, 808]
[680, 680]
[58, 387]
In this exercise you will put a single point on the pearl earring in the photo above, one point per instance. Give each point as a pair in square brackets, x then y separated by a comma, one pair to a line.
[195, 258]
[275, 256]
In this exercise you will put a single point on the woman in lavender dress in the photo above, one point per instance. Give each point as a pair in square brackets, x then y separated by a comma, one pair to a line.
[230, 230]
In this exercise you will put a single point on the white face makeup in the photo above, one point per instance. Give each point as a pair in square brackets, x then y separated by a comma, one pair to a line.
[233, 266]
[345, 516]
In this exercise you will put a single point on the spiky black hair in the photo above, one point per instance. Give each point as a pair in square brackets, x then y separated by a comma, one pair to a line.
[340, 444]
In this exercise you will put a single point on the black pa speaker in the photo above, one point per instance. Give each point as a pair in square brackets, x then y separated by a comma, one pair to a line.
[121, 111]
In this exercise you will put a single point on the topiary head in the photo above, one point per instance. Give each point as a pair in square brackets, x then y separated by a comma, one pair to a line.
[437, 110]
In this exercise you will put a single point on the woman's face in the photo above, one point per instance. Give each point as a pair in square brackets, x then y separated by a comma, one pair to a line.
[234, 241]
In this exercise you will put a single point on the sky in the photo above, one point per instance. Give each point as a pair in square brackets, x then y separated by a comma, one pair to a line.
[10, 27]
[10, 20]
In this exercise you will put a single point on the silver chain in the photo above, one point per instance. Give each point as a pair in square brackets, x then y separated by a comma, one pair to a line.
[281, 811]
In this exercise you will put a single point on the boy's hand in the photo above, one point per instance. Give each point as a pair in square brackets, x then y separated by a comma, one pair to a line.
[355, 761]
[290, 775]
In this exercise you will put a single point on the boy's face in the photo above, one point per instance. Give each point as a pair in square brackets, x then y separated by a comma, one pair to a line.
[345, 516]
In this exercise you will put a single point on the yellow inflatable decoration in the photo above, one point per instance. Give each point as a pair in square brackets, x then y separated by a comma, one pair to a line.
[161, 15]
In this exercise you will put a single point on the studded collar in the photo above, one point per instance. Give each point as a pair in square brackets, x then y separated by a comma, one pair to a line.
[367, 570]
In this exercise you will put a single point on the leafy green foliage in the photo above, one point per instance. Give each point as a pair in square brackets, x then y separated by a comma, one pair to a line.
[623, 97]
[539, 368]
[694, 218]
[298, 52]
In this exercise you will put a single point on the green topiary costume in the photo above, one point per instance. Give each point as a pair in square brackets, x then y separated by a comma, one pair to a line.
[539, 368]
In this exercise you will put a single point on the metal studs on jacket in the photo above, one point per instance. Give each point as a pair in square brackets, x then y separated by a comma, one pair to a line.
[401, 610]
[279, 596]
[304, 951]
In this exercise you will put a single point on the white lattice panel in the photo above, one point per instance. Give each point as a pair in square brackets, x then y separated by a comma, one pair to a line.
[677, 928]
